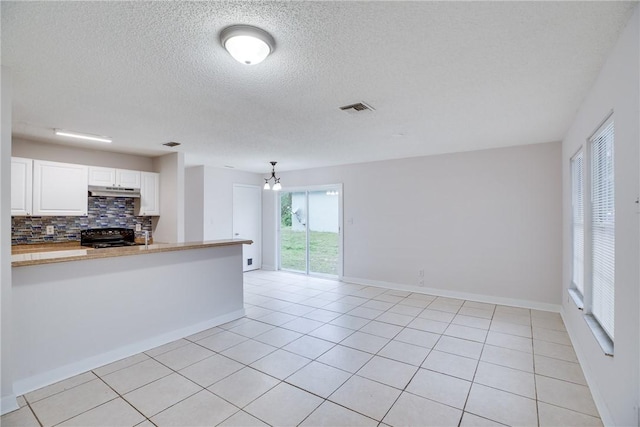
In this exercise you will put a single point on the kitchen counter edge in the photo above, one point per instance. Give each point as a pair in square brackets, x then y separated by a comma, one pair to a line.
[80, 254]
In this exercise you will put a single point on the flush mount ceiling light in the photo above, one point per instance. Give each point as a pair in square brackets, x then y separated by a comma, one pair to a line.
[276, 181]
[85, 136]
[247, 44]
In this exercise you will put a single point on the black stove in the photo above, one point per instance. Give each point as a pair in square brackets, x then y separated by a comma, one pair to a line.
[107, 237]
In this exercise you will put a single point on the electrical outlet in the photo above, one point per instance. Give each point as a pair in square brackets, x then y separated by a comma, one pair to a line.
[50, 230]
[138, 227]
[420, 277]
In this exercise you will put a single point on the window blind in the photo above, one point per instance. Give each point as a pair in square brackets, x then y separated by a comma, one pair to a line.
[577, 202]
[603, 227]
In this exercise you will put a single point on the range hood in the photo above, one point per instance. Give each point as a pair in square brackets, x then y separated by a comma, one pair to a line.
[98, 191]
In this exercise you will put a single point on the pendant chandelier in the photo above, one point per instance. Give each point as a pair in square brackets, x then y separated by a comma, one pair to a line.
[276, 181]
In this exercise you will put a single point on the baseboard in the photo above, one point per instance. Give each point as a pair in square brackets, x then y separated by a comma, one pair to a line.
[455, 294]
[8, 404]
[40, 380]
[598, 399]
[268, 267]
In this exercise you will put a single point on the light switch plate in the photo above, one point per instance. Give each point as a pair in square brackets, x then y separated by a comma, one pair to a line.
[138, 227]
[50, 230]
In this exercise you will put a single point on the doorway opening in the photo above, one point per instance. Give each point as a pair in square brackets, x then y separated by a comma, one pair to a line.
[310, 231]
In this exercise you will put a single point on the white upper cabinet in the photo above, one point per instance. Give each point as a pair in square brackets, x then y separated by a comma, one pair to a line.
[21, 185]
[149, 194]
[102, 177]
[109, 177]
[59, 189]
[127, 178]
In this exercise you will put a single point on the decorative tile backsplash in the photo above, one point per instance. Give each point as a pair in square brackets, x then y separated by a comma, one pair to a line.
[103, 212]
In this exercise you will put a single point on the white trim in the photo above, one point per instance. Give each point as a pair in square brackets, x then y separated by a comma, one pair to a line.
[8, 404]
[600, 402]
[604, 341]
[268, 267]
[576, 297]
[455, 294]
[303, 188]
[35, 382]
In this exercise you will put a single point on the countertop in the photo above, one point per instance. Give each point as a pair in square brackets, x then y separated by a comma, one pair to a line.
[25, 255]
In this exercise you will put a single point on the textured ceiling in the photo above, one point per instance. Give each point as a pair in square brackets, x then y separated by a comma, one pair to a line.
[442, 76]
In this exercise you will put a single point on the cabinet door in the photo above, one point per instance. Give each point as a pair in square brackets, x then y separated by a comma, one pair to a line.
[59, 189]
[127, 179]
[102, 177]
[21, 184]
[149, 194]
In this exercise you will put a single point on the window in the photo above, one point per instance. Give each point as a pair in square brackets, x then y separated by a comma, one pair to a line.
[603, 227]
[577, 207]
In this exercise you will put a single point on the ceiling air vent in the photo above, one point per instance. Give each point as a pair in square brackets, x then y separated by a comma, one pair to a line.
[171, 144]
[360, 107]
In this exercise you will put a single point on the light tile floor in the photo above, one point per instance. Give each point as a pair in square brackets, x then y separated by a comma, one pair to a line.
[317, 352]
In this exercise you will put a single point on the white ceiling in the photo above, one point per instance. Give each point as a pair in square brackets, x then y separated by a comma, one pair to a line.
[442, 76]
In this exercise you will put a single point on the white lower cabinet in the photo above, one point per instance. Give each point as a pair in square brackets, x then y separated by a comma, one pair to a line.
[59, 189]
[21, 186]
[149, 194]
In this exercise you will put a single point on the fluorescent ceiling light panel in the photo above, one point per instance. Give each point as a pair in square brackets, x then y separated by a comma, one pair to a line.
[85, 136]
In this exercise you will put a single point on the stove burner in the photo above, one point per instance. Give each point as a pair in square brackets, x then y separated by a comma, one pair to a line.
[107, 237]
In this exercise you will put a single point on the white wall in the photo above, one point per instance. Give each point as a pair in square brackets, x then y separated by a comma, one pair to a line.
[7, 397]
[169, 226]
[209, 196]
[85, 156]
[194, 204]
[484, 223]
[614, 380]
[270, 216]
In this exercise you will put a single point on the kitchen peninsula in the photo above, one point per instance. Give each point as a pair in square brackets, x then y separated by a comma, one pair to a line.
[77, 309]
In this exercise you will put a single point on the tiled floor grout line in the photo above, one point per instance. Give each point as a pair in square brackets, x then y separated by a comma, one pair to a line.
[118, 396]
[351, 374]
[535, 381]
[265, 373]
[34, 413]
[404, 389]
[475, 371]
[203, 388]
[366, 299]
[122, 396]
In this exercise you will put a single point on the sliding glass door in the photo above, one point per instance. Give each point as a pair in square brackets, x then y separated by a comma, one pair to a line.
[310, 231]
[293, 232]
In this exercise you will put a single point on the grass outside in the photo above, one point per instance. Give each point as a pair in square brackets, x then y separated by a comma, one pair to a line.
[323, 251]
